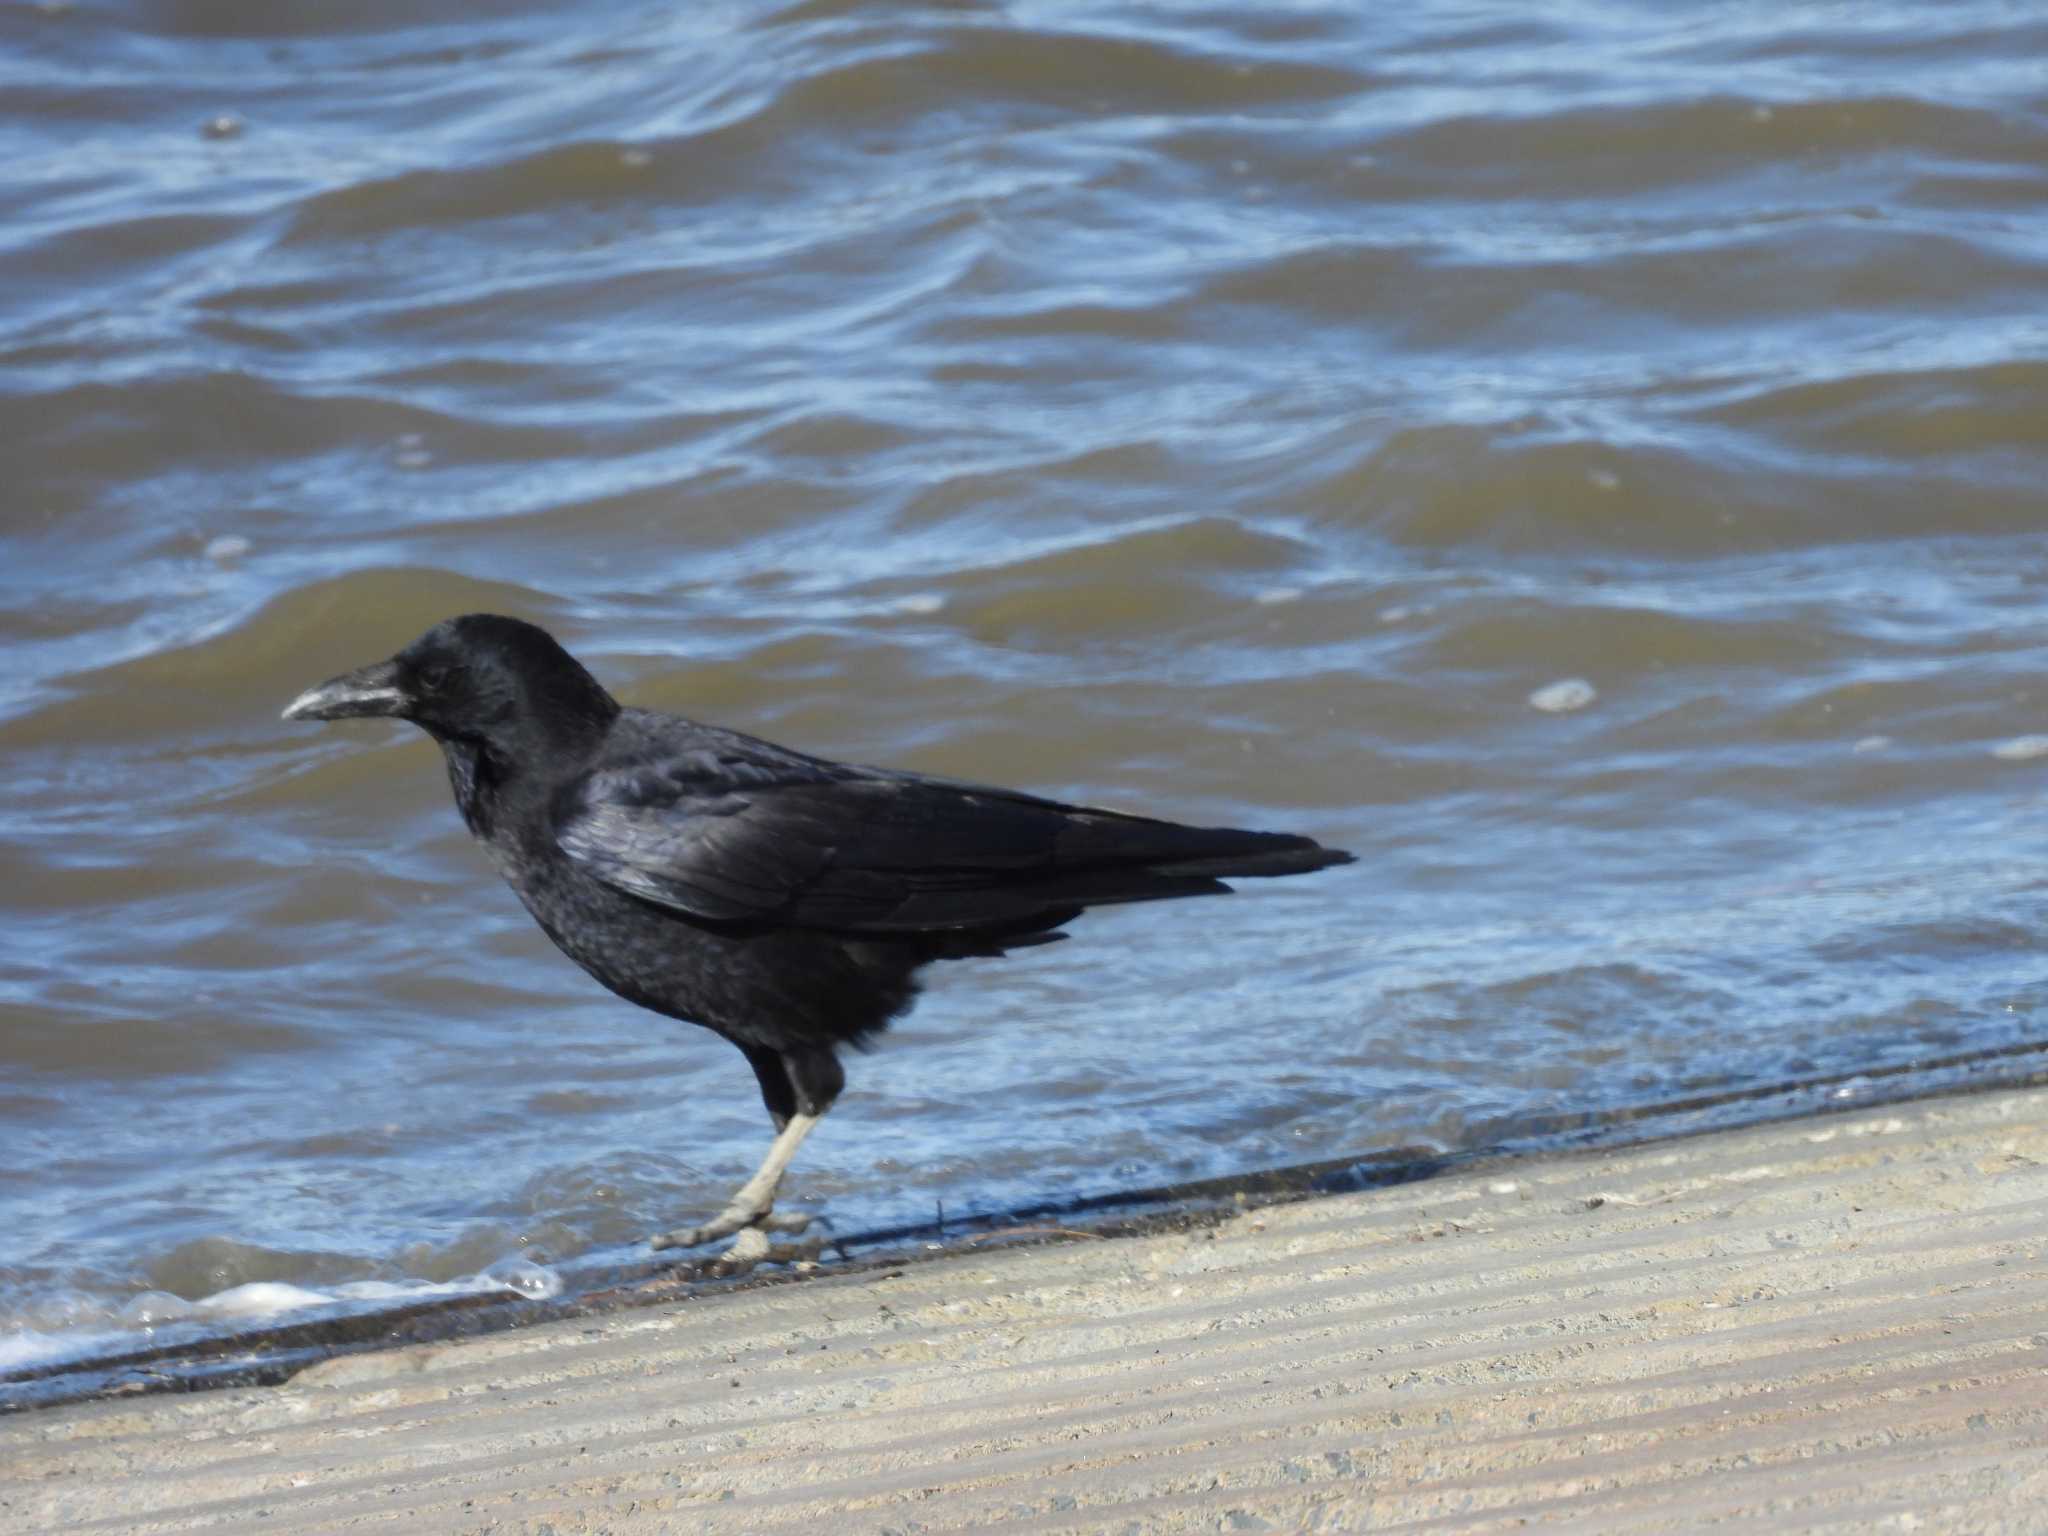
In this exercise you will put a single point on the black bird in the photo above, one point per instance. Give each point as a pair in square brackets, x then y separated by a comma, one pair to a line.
[783, 901]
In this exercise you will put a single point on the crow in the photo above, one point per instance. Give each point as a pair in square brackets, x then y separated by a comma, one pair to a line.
[784, 901]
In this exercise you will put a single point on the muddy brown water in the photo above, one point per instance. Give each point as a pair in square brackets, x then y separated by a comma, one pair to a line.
[1590, 463]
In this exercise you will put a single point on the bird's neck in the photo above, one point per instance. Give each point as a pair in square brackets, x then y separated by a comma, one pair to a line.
[509, 767]
[489, 782]
[474, 781]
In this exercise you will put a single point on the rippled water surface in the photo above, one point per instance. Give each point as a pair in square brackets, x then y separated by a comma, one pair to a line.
[1589, 460]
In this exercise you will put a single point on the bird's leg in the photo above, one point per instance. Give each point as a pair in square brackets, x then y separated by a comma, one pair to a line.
[752, 1208]
[798, 1085]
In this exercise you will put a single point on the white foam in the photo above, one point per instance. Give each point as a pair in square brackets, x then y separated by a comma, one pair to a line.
[271, 1298]
[152, 1308]
[1563, 696]
[135, 1323]
[2020, 748]
[261, 1298]
[21, 1348]
[228, 547]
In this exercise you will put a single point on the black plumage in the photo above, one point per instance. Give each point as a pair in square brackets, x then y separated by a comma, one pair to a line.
[784, 901]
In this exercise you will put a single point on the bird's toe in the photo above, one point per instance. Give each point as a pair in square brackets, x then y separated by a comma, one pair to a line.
[683, 1237]
[751, 1247]
[734, 1219]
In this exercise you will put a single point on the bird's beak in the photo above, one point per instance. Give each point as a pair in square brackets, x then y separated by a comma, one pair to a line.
[371, 690]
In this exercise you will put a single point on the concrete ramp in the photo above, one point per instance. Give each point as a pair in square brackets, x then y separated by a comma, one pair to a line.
[1827, 1324]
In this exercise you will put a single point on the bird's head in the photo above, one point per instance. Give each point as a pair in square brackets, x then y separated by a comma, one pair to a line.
[480, 679]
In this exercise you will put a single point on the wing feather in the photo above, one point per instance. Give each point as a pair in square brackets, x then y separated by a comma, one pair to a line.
[733, 830]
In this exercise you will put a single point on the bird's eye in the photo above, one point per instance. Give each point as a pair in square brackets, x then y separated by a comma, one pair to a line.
[432, 679]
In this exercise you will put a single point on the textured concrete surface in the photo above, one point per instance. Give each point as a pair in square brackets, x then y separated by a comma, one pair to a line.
[1838, 1323]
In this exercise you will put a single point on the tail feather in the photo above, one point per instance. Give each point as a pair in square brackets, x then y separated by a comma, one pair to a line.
[1292, 856]
[1168, 848]
[1168, 860]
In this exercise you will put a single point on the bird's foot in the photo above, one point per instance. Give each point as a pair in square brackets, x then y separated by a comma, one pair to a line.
[735, 1218]
[751, 1247]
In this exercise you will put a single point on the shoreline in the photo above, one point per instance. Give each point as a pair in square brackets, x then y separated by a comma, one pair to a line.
[1839, 1319]
[270, 1351]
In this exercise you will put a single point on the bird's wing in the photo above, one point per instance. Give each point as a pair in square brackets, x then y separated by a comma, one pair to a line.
[731, 830]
